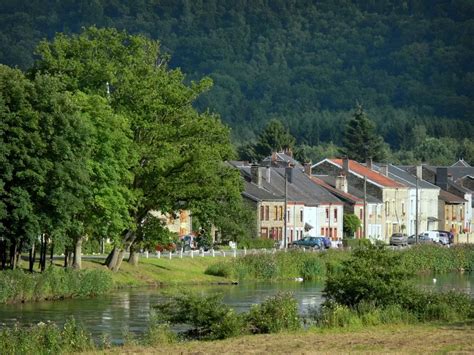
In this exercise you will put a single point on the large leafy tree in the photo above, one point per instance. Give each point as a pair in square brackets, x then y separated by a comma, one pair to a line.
[360, 141]
[180, 152]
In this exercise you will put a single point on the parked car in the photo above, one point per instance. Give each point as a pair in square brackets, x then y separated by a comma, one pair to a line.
[433, 235]
[447, 237]
[325, 242]
[308, 242]
[399, 239]
[421, 239]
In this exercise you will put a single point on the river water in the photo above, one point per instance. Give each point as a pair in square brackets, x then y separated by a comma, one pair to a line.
[126, 311]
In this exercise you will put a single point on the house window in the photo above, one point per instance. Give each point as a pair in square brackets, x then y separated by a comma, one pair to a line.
[276, 213]
[301, 215]
[335, 214]
[262, 213]
[327, 213]
[264, 232]
[281, 213]
[267, 213]
[322, 231]
[287, 215]
[361, 215]
[387, 208]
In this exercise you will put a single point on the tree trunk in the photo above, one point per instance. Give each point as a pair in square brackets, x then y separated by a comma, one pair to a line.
[133, 258]
[42, 260]
[115, 258]
[66, 254]
[112, 258]
[18, 254]
[13, 249]
[32, 258]
[3, 254]
[51, 254]
[78, 254]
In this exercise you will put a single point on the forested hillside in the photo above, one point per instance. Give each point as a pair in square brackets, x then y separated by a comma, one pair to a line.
[409, 63]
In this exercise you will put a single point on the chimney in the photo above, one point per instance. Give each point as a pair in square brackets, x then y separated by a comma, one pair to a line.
[345, 165]
[442, 178]
[289, 174]
[274, 157]
[419, 172]
[288, 152]
[369, 163]
[341, 183]
[384, 169]
[307, 168]
[256, 175]
[268, 174]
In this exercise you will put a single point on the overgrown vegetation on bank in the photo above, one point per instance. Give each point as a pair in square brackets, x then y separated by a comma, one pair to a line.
[314, 266]
[53, 283]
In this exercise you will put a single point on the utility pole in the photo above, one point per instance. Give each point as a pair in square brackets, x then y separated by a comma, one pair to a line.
[365, 208]
[285, 217]
[416, 211]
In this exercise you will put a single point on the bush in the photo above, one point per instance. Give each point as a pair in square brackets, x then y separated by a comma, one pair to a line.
[46, 338]
[256, 243]
[222, 269]
[53, 283]
[355, 243]
[371, 274]
[274, 315]
[207, 316]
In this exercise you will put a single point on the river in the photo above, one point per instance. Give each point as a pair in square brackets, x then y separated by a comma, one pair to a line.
[124, 311]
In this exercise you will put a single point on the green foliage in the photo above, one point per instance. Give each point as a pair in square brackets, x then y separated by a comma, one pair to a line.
[360, 141]
[354, 243]
[274, 138]
[209, 318]
[372, 274]
[45, 339]
[351, 223]
[434, 258]
[158, 333]
[54, 283]
[275, 314]
[256, 243]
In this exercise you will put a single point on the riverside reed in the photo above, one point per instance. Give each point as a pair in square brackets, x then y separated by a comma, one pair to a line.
[53, 283]
[314, 265]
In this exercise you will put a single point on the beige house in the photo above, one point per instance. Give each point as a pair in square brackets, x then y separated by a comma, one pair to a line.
[179, 222]
[394, 196]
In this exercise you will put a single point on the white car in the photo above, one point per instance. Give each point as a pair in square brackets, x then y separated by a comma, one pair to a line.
[433, 235]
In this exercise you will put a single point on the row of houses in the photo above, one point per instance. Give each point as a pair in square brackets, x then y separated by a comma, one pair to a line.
[387, 198]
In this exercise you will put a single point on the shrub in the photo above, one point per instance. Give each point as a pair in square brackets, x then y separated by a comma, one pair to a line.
[158, 333]
[223, 269]
[256, 243]
[355, 243]
[209, 318]
[371, 274]
[274, 315]
[54, 282]
[46, 338]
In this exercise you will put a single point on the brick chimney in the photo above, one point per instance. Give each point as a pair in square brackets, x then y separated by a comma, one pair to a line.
[341, 183]
[256, 175]
[307, 168]
[369, 163]
[442, 178]
[345, 165]
[268, 174]
[384, 169]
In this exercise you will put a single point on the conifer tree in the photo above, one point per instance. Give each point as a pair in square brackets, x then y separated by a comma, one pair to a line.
[360, 142]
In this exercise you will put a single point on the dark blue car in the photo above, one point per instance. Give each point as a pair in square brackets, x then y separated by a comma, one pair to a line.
[325, 241]
[308, 242]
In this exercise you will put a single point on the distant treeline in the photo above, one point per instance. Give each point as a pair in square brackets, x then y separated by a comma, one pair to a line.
[307, 63]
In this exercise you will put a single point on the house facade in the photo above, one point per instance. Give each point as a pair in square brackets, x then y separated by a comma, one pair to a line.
[394, 196]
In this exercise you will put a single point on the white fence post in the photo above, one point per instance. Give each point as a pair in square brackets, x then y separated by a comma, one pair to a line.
[181, 253]
[213, 253]
[245, 251]
[159, 254]
[223, 253]
[192, 254]
[169, 254]
[235, 253]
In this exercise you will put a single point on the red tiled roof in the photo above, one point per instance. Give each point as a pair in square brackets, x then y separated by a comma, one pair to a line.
[335, 191]
[369, 173]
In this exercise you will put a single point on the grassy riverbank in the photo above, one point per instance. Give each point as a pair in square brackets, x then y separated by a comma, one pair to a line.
[162, 271]
[419, 338]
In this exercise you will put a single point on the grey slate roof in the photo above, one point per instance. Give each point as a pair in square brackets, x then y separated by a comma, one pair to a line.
[302, 189]
[257, 194]
[331, 180]
[282, 159]
[402, 176]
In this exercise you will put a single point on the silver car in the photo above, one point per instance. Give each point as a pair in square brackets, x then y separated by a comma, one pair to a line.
[399, 239]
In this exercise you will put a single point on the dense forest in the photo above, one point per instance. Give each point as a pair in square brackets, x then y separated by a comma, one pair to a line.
[307, 63]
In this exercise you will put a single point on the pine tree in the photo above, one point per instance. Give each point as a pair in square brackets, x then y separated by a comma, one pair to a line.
[360, 142]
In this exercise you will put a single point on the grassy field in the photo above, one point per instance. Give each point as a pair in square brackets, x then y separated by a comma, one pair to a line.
[155, 271]
[456, 338]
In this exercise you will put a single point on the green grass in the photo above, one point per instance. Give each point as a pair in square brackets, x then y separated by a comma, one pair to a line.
[164, 271]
